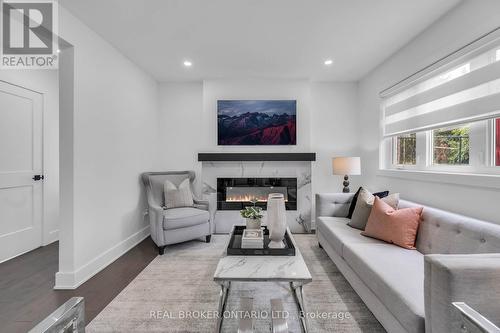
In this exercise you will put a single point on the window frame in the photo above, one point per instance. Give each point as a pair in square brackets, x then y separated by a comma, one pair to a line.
[481, 152]
[395, 155]
[492, 128]
[420, 160]
[432, 147]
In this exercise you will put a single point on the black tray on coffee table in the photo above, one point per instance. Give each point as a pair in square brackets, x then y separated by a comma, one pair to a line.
[234, 246]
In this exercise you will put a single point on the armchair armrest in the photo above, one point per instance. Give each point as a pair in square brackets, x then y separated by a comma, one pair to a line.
[201, 204]
[470, 278]
[155, 214]
[155, 209]
[205, 205]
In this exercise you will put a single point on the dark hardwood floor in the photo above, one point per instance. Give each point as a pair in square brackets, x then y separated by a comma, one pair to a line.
[26, 285]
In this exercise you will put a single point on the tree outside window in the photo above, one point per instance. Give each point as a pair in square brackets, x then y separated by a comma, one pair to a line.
[406, 149]
[451, 146]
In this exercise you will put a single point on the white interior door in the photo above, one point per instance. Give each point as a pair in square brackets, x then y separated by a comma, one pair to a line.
[20, 160]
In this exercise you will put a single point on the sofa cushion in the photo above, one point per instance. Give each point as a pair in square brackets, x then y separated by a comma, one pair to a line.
[337, 232]
[443, 232]
[184, 217]
[395, 275]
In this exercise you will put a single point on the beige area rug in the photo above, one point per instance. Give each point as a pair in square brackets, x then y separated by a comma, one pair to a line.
[176, 293]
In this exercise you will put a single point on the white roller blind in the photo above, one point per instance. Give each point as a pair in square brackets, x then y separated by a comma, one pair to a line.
[465, 89]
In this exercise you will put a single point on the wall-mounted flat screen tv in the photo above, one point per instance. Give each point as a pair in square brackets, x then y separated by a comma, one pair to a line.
[256, 122]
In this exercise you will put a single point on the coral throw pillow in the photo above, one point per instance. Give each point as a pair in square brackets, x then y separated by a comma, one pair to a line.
[393, 226]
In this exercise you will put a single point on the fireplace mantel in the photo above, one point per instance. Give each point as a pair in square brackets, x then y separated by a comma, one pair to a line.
[236, 157]
[255, 167]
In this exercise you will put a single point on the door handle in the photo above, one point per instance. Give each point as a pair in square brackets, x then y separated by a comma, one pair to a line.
[38, 177]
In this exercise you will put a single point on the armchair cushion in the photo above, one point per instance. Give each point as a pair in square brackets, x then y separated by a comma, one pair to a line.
[155, 182]
[182, 217]
[201, 204]
[178, 196]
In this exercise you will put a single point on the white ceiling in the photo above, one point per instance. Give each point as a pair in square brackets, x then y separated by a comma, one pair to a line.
[258, 38]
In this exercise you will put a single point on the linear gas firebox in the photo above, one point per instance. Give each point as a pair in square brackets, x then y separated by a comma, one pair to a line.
[236, 193]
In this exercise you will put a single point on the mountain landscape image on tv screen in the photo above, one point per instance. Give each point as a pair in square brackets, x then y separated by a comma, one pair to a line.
[256, 122]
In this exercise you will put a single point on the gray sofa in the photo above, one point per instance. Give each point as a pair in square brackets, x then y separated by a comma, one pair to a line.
[175, 225]
[457, 260]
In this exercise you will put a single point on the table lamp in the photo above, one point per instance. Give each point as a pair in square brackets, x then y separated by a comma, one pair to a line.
[346, 166]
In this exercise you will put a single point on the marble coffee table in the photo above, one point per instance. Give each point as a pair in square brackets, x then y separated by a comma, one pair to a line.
[291, 269]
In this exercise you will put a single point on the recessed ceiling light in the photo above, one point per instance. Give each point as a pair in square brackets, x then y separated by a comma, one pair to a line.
[328, 62]
[188, 63]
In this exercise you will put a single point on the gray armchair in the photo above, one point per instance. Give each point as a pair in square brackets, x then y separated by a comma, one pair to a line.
[175, 225]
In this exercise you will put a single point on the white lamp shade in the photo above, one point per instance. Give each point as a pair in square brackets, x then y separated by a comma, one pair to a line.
[346, 166]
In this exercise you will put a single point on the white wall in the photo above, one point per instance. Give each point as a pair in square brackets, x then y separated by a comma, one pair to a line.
[46, 83]
[114, 128]
[468, 21]
[326, 121]
[257, 89]
[181, 109]
[334, 132]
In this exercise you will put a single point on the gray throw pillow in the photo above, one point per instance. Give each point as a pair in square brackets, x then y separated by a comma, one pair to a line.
[364, 207]
[178, 196]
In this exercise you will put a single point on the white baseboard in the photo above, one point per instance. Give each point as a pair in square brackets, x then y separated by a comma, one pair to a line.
[15, 256]
[51, 237]
[72, 280]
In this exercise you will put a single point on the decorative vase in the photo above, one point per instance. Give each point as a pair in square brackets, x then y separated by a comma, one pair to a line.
[253, 223]
[276, 219]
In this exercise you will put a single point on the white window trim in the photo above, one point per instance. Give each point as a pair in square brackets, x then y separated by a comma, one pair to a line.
[394, 157]
[419, 158]
[455, 178]
[481, 172]
[474, 148]
[491, 145]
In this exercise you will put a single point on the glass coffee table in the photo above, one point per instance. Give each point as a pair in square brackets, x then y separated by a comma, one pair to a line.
[264, 268]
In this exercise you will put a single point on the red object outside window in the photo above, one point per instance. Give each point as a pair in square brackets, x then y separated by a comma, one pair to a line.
[497, 142]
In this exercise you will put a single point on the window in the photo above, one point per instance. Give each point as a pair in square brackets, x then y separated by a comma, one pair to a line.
[451, 109]
[451, 146]
[497, 142]
[406, 149]
[453, 74]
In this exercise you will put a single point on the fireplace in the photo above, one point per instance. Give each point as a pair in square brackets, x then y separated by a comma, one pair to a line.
[237, 193]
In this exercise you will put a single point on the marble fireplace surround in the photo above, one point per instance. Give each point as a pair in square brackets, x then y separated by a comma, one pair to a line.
[287, 165]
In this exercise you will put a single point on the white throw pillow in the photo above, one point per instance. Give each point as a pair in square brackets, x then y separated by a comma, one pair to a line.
[178, 196]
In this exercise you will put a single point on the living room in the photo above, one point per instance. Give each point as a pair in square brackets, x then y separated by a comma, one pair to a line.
[139, 149]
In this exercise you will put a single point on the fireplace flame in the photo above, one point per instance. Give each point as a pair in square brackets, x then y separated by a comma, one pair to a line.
[246, 198]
